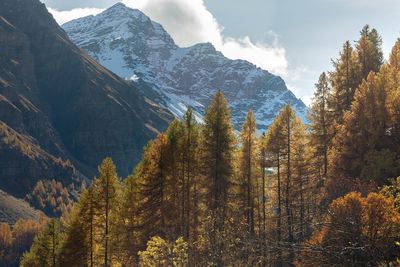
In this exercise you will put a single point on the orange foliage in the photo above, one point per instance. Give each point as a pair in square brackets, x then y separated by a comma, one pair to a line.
[358, 231]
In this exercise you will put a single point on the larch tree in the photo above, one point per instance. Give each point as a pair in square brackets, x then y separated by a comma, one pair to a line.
[45, 250]
[303, 186]
[190, 183]
[248, 167]
[132, 225]
[78, 246]
[248, 183]
[358, 231]
[369, 51]
[262, 163]
[152, 173]
[288, 119]
[320, 117]
[345, 79]
[286, 143]
[274, 148]
[175, 179]
[105, 190]
[392, 70]
[217, 155]
[363, 147]
[5, 236]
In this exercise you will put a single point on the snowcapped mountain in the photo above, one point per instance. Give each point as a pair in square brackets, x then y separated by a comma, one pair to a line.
[136, 48]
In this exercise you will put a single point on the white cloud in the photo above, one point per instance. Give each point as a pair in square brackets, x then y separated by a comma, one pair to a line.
[268, 57]
[189, 22]
[300, 81]
[64, 16]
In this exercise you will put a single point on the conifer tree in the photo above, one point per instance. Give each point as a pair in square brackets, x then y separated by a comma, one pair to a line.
[106, 187]
[275, 149]
[262, 161]
[132, 228]
[288, 118]
[176, 179]
[369, 50]
[217, 149]
[288, 157]
[247, 180]
[303, 186]
[45, 248]
[248, 168]
[152, 173]
[198, 199]
[191, 184]
[357, 231]
[393, 103]
[345, 80]
[5, 236]
[78, 245]
[362, 147]
[321, 124]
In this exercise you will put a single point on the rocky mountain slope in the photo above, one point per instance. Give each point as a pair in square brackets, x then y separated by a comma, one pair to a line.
[61, 112]
[136, 48]
[12, 209]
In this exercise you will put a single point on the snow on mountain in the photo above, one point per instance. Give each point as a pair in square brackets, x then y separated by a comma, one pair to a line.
[133, 46]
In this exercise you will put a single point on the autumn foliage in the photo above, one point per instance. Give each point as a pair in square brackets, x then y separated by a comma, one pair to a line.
[358, 231]
[320, 194]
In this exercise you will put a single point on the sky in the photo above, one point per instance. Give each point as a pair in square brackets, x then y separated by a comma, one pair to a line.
[290, 38]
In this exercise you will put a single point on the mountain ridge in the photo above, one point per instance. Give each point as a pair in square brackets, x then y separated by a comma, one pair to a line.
[133, 46]
[12, 209]
[61, 112]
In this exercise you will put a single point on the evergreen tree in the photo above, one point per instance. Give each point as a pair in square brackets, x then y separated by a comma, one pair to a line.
[105, 190]
[288, 118]
[5, 244]
[248, 204]
[369, 50]
[132, 224]
[262, 161]
[304, 187]
[274, 145]
[5, 237]
[248, 168]
[358, 231]
[198, 199]
[45, 248]
[363, 147]
[286, 143]
[190, 182]
[321, 124]
[345, 80]
[152, 173]
[217, 155]
[79, 242]
[176, 179]
[392, 70]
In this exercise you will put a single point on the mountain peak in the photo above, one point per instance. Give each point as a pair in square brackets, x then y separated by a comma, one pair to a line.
[205, 48]
[118, 5]
[120, 11]
[133, 46]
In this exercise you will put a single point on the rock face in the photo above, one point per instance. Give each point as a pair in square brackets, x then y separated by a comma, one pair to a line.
[127, 42]
[61, 112]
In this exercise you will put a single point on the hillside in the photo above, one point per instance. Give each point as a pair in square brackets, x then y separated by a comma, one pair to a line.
[136, 48]
[60, 111]
[12, 209]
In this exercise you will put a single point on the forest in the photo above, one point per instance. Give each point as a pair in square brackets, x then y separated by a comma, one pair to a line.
[321, 193]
